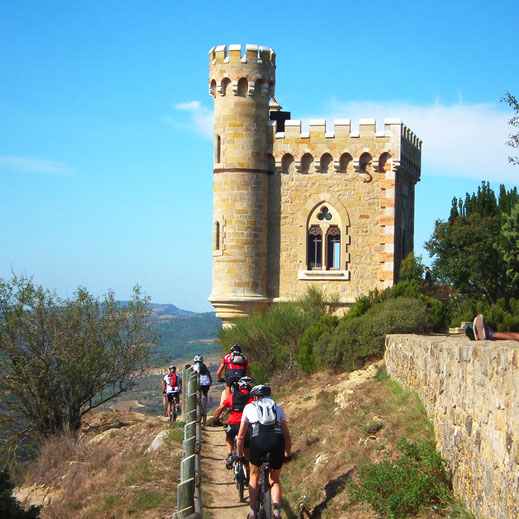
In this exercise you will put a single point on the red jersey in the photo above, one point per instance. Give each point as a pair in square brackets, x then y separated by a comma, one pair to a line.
[227, 361]
[235, 416]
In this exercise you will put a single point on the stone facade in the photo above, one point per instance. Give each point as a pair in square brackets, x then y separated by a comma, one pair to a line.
[471, 392]
[329, 207]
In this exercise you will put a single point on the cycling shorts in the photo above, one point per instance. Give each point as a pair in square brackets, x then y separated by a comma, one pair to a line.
[173, 396]
[265, 443]
[232, 430]
[205, 389]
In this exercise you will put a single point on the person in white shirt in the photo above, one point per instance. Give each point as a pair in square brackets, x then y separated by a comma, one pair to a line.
[270, 435]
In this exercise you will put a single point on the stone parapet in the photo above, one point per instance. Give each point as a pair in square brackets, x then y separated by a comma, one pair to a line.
[471, 392]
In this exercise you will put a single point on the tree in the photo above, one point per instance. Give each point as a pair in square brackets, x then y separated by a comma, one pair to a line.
[466, 247]
[9, 507]
[60, 358]
[412, 268]
[513, 141]
[509, 246]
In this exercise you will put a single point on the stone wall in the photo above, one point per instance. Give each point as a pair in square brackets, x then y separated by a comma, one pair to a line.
[471, 392]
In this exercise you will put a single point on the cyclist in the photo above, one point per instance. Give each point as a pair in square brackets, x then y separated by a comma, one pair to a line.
[236, 402]
[270, 435]
[205, 375]
[237, 366]
[172, 387]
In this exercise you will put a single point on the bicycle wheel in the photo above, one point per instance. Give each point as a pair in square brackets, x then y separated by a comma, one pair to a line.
[265, 502]
[240, 483]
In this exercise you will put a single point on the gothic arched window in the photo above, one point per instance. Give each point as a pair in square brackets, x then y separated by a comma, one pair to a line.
[333, 248]
[324, 240]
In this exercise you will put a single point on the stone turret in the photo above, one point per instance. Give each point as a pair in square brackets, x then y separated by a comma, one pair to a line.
[241, 86]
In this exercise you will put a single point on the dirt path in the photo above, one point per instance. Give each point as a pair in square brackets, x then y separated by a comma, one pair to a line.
[218, 488]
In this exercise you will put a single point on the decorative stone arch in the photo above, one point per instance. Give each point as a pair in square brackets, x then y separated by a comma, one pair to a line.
[271, 163]
[224, 85]
[326, 163]
[212, 88]
[242, 87]
[287, 163]
[341, 165]
[307, 217]
[384, 162]
[305, 164]
[365, 161]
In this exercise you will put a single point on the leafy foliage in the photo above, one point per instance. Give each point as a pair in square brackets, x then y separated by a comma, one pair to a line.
[271, 339]
[513, 141]
[62, 357]
[358, 339]
[416, 480]
[412, 268]
[467, 250]
[306, 357]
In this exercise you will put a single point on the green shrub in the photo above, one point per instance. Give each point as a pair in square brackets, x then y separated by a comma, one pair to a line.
[306, 356]
[416, 480]
[439, 316]
[357, 340]
[270, 339]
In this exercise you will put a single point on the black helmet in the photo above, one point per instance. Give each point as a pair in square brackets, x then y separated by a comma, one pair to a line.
[236, 347]
[173, 368]
[260, 391]
[245, 383]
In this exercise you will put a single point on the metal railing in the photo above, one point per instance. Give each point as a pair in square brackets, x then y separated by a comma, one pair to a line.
[189, 499]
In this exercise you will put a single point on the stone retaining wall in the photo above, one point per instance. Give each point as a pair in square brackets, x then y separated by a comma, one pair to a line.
[471, 392]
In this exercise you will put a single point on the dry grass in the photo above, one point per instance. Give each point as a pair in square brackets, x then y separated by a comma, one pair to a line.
[107, 473]
[330, 442]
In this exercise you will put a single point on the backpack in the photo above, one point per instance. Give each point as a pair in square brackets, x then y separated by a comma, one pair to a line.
[237, 358]
[239, 401]
[172, 379]
[266, 408]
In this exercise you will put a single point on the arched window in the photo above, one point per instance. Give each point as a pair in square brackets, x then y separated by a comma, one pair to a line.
[287, 163]
[306, 163]
[224, 85]
[333, 248]
[217, 236]
[243, 86]
[345, 159]
[212, 88]
[259, 87]
[326, 161]
[315, 247]
[384, 163]
[218, 149]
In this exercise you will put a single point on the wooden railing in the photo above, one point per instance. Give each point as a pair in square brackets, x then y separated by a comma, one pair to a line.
[189, 499]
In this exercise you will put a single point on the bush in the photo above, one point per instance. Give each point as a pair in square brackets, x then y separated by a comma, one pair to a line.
[9, 507]
[307, 358]
[357, 340]
[270, 339]
[418, 479]
[439, 316]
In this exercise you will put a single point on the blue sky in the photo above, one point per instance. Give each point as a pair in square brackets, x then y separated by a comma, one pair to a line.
[105, 120]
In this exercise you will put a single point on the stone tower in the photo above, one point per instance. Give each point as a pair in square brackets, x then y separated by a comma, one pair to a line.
[242, 87]
[330, 207]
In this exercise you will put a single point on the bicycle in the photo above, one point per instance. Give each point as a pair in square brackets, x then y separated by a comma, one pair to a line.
[240, 472]
[264, 497]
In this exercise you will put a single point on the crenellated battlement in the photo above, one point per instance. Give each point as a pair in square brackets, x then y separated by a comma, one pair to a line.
[252, 73]
[342, 129]
[254, 54]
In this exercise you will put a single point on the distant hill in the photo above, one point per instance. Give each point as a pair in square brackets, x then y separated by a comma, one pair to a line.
[183, 333]
[167, 310]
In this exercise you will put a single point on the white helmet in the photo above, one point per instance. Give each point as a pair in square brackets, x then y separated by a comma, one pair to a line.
[198, 358]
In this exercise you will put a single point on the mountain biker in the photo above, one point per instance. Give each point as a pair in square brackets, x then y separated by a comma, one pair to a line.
[236, 402]
[270, 434]
[237, 366]
[172, 387]
[205, 375]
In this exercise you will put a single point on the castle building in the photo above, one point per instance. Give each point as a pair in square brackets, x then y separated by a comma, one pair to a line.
[330, 207]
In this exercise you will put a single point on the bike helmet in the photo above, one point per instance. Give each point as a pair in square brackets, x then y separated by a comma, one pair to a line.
[260, 391]
[173, 368]
[245, 383]
[236, 347]
[198, 358]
